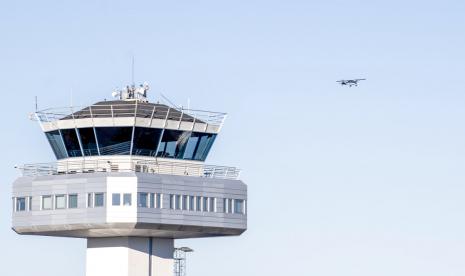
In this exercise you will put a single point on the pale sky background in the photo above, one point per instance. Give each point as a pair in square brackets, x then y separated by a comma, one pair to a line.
[342, 181]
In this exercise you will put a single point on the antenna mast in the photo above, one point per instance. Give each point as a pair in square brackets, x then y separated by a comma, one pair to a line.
[132, 72]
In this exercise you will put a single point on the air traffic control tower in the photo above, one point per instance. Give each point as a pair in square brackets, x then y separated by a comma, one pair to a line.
[130, 178]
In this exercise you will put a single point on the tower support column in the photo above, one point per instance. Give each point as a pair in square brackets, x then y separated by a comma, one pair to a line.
[129, 256]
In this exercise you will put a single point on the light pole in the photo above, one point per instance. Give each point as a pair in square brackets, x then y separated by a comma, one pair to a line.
[180, 260]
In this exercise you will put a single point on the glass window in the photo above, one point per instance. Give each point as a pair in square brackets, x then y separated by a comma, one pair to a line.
[47, 202]
[99, 200]
[142, 200]
[184, 202]
[205, 204]
[152, 200]
[191, 146]
[159, 201]
[239, 206]
[191, 203]
[73, 201]
[30, 203]
[71, 142]
[198, 203]
[54, 138]
[177, 202]
[172, 201]
[127, 199]
[116, 199]
[225, 205]
[20, 204]
[185, 145]
[212, 204]
[90, 202]
[89, 145]
[114, 140]
[230, 205]
[60, 202]
[173, 143]
[146, 141]
[204, 145]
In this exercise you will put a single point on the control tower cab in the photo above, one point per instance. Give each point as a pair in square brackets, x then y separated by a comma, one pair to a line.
[130, 177]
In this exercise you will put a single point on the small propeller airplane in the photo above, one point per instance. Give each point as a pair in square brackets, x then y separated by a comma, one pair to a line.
[350, 83]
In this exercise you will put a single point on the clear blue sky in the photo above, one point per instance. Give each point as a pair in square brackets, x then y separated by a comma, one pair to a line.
[342, 181]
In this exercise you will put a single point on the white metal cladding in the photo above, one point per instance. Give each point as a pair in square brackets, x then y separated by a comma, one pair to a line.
[132, 113]
[111, 221]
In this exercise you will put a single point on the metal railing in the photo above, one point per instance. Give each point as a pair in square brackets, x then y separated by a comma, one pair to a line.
[144, 166]
[131, 109]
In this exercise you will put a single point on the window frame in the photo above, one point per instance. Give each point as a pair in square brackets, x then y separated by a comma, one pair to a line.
[42, 202]
[125, 197]
[17, 200]
[116, 196]
[69, 201]
[95, 200]
[65, 202]
[140, 196]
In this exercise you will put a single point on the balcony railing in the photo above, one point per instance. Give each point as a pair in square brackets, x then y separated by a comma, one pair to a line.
[144, 166]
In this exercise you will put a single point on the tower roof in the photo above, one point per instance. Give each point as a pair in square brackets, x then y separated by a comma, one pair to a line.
[124, 108]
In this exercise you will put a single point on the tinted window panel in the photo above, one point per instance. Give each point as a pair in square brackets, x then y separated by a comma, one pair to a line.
[71, 142]
[73, 201]
[89, 145]
[205, 143]
[146, 141]
[191, 146]
[173, 143]
[114, 140]
[54, 138]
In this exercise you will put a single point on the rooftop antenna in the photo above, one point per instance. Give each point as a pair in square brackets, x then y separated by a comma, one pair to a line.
[36, 103]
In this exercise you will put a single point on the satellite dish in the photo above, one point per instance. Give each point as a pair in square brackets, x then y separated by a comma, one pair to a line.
[115, 94]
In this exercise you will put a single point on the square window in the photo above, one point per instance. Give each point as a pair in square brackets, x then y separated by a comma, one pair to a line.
[116, 199]
[99, 200]
[47, 202]
[239, 206]
[142, 200]
[60, 202]
[20, 204]
[73, 201]
[127, 199]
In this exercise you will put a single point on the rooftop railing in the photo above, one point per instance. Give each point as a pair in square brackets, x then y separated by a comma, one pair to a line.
[131, 109]
[143, 166]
